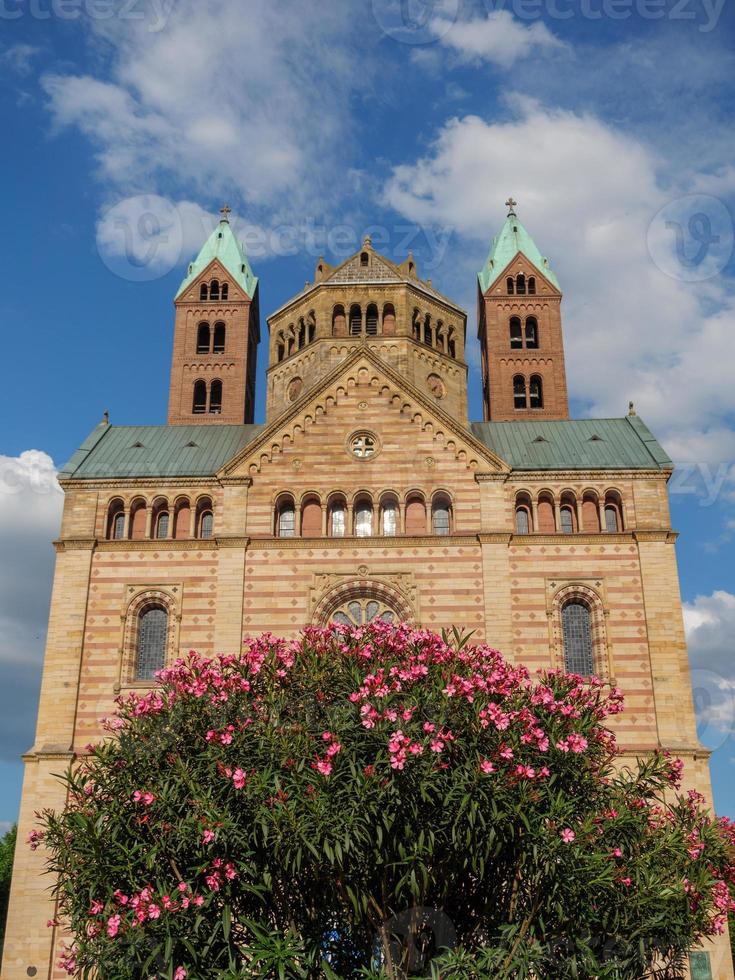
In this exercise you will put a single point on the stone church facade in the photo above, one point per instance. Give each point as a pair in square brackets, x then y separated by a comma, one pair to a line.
[366, 492]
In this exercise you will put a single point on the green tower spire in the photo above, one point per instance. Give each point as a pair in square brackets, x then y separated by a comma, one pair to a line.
[510, 240]
[223, 246]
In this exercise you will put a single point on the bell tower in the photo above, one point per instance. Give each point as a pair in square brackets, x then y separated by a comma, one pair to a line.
[520, 330]
[216, 335]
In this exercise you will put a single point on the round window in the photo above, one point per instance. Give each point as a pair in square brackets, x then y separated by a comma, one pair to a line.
[364, 445]
[436, 386]
[359, 612]
[295, 387]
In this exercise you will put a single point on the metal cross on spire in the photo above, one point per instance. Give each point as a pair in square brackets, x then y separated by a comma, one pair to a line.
[225, 211]
[511, 205]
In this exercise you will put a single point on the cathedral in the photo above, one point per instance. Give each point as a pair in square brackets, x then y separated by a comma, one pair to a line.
[365, 493]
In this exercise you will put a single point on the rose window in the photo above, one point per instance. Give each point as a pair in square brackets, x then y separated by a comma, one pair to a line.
[363, 445]
[359, 612]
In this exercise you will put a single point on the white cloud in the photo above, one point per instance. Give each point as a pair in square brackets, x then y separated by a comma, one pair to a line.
[18, 58]
[497, 38]
[248, 105]
[30, 514]
[588, 194]
[710, 627]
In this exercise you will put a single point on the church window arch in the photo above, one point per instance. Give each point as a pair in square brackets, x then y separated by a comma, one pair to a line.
[214, 289]
[519, 392]
[204, 527]
[531, 285]
[415, 513]
[578, 618]
[203, 291]
[115, 520]
[521, 284]
[182, 518]
[523, 513]
[225, 290]
[577, 637]
[311, 516]
[510, 286]
[371, 320]
[218, 346]
[428, 334]
[285, 522]
[363, 516]
[389, 514]
[531, 333]
[339, 323]
[137, 519]
[150, 655]
[364, 259]
[301, 333]
[613, 512]
[516, 334]
[199, 400]
[441, 513]
[389, 319]
[337, 516]
[568, 513]
[451, 343]
[311, 327]
[536, 391]
[590, 512]
[203, 338]
[160, 522]
[215, 397]
[546, 513]
[355, 320]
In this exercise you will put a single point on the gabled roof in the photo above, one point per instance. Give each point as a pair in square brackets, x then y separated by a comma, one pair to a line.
[115, 451]
[512, 239]
[574, 444]
[378, 270]
[223, 246]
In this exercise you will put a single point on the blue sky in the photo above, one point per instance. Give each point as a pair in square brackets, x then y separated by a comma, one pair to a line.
[127, 124]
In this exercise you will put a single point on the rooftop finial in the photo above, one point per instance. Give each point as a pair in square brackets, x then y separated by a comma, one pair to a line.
[631, 409]
[367, 241]
[225, 211]
[511, 206]
[105, 418]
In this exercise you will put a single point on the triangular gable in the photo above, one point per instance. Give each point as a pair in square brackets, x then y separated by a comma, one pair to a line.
[215, 270]
[543, 283]
[378, 269]
[321, 399]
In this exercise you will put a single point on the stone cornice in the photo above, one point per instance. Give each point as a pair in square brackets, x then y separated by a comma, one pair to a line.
[485, 477]
[497, 537]
[574, 476]
[656, 534]
[157, 483]
[74, 544]
[371, 543]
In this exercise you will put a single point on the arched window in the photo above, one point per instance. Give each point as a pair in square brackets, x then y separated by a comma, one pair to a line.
[389, 516]
[225, 290]
[116, 520]
[302, 333]
[285, 518]
[214, 289]
[337, 517]
[441, 511]
[567, 519]
[428, 338]
[536, 391]
[204, 518]
[161, 525]
[290, 341]
[451, 346]
[364, 259]
[389, 320]
[339, 325]
[215, 398]
[613, 512]
[524, 522]
[311, 518]
[519, 392]
[531, 332]
[312, 328]
[219, 338]
[137, 521]
[203, 338]
[182, 519]
[531, 285]
[416, 325]
[360, 612]
[150, 655]
[355, 320]
[363, 517]
[415, 515]
[521, 284]
[371, 320]
[516, 336]
[441, 340]
[577, 634]
[510, 285]
[199, 404]
[203, 291]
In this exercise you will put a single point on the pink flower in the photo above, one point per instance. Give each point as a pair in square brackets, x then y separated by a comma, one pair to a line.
[239, 778]
[208, 835]
[322, 766]
[179, 973]
[34, 839]
[487, 767]
[96, 908]
[113, 926]
[568, 836]
[154, 912]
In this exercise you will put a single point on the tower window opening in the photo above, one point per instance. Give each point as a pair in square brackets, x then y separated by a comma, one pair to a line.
[203, 291]
[371, 320]
[364, 259]
[531, 285]
[199, 404]
[219, 338]
[225, 290]
[355, 320]
[363, 518]
[215, 398]
[519, 392]
[510, 285]
[531, 333]
[577, 637]
[516, 336]
[441, 515]
[536, 389]
[214, 289]
[286, 518]
[521, 284]
[567, 520]
[151, 651]
[203, 337]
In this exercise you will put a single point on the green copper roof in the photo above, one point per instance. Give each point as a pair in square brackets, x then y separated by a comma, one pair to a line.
[579, 444]
[223, 245]
[512, 239]
[156, 450]
[137, 451]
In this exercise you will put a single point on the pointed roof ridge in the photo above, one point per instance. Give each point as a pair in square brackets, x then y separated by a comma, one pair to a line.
[510, 240]
[223, 246]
